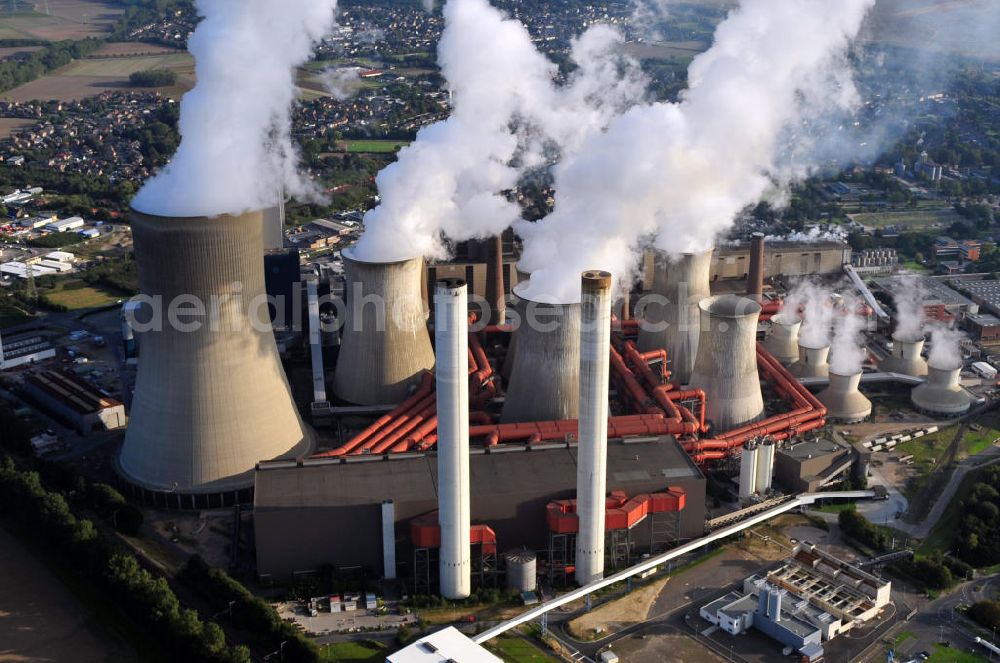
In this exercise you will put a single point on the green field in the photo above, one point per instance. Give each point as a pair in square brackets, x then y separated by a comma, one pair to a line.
[367, 651]
[952, 655]
[75, 294]
[911, 219]
[519, 650]
[374, 146]
[125, 66]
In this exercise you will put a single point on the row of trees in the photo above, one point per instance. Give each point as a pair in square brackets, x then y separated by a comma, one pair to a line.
[153, 78]
[19, 71]
[978, 538]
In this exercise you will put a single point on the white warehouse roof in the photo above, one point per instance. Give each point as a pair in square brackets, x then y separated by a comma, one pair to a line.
[448, 644]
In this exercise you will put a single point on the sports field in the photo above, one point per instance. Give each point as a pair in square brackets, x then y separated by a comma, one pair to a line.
[373, 146]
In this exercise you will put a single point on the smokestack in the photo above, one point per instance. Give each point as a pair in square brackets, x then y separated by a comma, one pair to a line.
[905, 357]
[843, 401]
[783, 341]
[765, 466]
[384, 346]
[726, 367]
[674, 325]
[812, 363]
[592, 447]
[451, 334]
[749, 458]
[755, 275]
[211, 398]
[942, 394]
[544, 380]
[494, 281]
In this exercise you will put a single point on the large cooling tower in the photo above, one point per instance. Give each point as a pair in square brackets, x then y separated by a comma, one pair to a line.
[726, 367]
[385, 346]
[544, 380]
[783, 341]
[673, 324]
[812, 362]
[211, 398]
[941, 393]
[905, 357]
[843, 401]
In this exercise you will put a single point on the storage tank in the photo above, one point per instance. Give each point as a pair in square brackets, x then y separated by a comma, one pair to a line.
[942, 394]
[783, 341]
[385, 346]
[765, 466]
[905, 357]
[844, 402]
[522, 573]
[544, 380]
[726, 366]
[812, 362]
[749, 457]
[681, 282]
[211, 398]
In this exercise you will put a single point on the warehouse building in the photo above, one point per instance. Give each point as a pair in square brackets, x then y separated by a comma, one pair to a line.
[812, 464]
[75, 401]
[22, 350]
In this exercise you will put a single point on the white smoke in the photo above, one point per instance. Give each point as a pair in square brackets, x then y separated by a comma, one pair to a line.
[946, 348]
[681, 172]
[507, 116]
[847, 352]
[341, 82]
[236, 151]
[814, 234]
[813, 300]
[908, 295]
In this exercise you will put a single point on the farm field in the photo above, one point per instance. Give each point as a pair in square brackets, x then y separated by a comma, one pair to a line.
[911, 219]
[75, 294]
[10, 51]
[11, 125]
[373, 146]
[54, 20]
[131, 48]
[666, 50]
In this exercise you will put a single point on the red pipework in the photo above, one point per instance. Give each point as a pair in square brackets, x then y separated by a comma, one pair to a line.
[390, 438]
[620, 511]
[661, 393]
[425, 532]
[643, 424]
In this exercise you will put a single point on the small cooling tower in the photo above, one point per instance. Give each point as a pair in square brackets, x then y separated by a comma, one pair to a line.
[941, 394]
[812, 362]
[682, 282]
[905, 357]
[749, 458]
[726, 367]
[783, 341]
[385, 346]
[544, 380]
[211, 398]
[844, 403]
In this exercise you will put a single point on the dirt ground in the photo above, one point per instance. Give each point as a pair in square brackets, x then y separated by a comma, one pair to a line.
[11, 125]
[40, 620]
[618, 614]
[665, 648]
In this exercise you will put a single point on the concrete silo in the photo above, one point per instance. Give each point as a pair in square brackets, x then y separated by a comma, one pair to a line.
[783, 341]
[682, 282]
[211, 398]
[726, 366]
[843, 401]
[749, 458]
[544, 380]
[813, 362]
[942, 394]
[385, 346]
[765, 466]
[905, 357]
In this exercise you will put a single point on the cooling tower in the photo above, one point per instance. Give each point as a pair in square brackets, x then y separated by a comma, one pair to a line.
[544, 380]
[905, 357]
[783, 341]
[385, 346]
[726, 367]
[941, 393]
[211, 398]
[812, 362]
[673, 324]
[843, 401]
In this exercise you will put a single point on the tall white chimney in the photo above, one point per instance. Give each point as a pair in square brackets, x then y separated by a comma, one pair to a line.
[451, 333]
[592, 450]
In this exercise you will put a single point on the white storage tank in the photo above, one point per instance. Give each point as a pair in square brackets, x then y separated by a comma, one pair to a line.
[522, 571]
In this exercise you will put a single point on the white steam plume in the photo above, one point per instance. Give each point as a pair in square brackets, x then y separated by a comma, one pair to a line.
[507, 114]
[681, 172]
[847, 352]
[236, 151]
[341, 82]
[908, 295]
[814, 234]
[946, 349]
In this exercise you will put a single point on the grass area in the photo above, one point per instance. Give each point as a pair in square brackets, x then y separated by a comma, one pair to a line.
[56, 240]
[943, 535]
[365, 651]
[519, 650]
[903, 637]
[11, 315]
[911, 219]
[75, 294]
[834, 508]
[914, 266]
[951, 655]
[124, 66]
[374, 146]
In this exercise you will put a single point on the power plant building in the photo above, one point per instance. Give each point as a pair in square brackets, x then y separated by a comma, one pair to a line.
[75, 401]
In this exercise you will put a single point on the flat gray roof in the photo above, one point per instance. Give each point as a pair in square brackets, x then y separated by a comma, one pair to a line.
[937, 288]
[812, 448]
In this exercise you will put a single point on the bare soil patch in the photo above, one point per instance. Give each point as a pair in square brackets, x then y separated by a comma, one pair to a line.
[628, 610]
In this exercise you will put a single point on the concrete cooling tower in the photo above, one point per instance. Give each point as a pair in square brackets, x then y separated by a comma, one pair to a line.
[211, 398]
[544, 380]
[783, 341]
[385, 346]
[941, 394]
[905, 357]
[843, 401]
[726, 367]
[812, 362]
[683, 282]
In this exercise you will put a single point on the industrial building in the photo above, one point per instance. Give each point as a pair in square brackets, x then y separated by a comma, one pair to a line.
[24, 350]
[811, 464]
[74, 401]
[449, 645]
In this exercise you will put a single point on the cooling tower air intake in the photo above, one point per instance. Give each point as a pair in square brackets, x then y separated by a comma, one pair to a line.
[844, 402]
[905, 357]
[681, 282]
[812, 363]
[385, 346]
[783, 341]
[544, 380]
[942, 394]
[211, 399]
[726, 367]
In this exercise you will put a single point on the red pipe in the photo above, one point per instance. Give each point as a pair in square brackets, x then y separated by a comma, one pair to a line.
[393, 438]
[374, 442]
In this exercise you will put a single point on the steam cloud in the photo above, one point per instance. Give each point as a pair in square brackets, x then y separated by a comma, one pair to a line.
[236, 151]
[909, 297]
[680, 172]
[508, 117]
[817, 312]
[847, 354]
[946, 351]
[341, 82]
